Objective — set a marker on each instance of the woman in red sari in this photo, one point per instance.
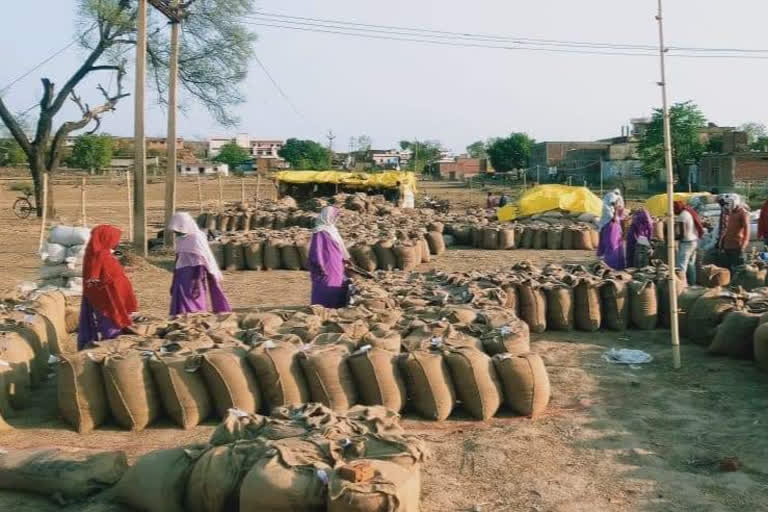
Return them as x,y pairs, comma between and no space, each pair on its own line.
108,298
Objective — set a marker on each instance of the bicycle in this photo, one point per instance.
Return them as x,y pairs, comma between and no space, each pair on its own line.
22,207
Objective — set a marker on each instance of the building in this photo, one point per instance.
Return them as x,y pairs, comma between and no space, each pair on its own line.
726,171
200,168
257,148
554,154
461,168
161,143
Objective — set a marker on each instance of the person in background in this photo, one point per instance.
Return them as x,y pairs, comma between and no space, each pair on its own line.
691,231
327,257
612,203
397,194
736,233
503,200
196,285
490,201
762,224
108,297
611,246
640,232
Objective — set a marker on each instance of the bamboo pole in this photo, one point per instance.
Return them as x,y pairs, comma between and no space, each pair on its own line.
170,139
221,193
82,201
130,206
139,237
258,186
45,210
200,193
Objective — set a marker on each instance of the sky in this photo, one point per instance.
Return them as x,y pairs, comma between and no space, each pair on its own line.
394,90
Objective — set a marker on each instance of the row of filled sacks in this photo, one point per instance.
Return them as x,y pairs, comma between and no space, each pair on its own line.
519,236
30,332
248,220
136,387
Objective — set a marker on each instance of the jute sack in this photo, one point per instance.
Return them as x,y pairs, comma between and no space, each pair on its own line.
364,257
53,306
662,291
81,395
383,337
131,392
231,381
20,357
408,256
684,303
436,243
385,257
526,241
289,256
595,238
460,315
735,336
37,329
506,239
157,481
476,382
302,246
567,241
217,248
423,246
278,371
290,477
267,323
72,319
712,276
525,382
25,334
439,227
582,240
587,305
707,312
490,238
392,488
182,389
66,473
513,338
271,254
329,377
254,257
554,239
760,341
6,381
643,304
749,276
513,302
230,250
533,305
377,375
614,300
429,384
560,306
540,239
210,222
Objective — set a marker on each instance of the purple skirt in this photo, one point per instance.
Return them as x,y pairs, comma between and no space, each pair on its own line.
194,290
94,326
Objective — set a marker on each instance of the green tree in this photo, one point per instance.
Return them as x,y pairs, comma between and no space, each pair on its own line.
423,154
363,143
232,155
755,131
91,152
686,121
477,150
216,46
11,154
305,154
508,153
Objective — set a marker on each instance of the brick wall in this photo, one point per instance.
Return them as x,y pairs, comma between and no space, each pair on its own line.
751,167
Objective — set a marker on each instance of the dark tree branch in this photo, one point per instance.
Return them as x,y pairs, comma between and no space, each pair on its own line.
15,128
106,68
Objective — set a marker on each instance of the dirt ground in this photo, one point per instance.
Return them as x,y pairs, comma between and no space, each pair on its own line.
614,438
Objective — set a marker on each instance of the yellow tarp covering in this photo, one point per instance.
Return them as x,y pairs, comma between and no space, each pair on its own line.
352,179
657,205
552,197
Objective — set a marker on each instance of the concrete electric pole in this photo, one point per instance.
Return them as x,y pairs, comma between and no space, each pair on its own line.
139,161
170,139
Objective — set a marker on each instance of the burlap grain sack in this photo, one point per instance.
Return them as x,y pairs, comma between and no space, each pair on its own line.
71,319
403,450
53,306
385,257
81,395
513,301
476,382
436,226
377,375
16,354
231,251
560,307
66,473
533,305
392,488
38,344
735,336
707,312
494,317
643,304
436,243
582,240
217,248
513,338
429,384
182,389
6,381
289,256
568,236
231,381
525,382
614,301
210,222
364,256
157,481
254,257
595,238
587,305
290,477
490,238
271,254
278,371
554,239
131,392
477,236
408,256
383,337
685,301
760,341
749,276
268,323
423,246
329,377
662,292
539,239
506,239
712,276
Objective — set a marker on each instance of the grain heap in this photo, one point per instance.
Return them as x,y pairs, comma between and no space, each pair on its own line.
62,257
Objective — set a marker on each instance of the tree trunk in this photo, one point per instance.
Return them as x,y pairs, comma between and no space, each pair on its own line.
51,202
36,168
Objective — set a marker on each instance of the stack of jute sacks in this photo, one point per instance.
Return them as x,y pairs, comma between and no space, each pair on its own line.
62,257
191,368
31,331
304,457
536,235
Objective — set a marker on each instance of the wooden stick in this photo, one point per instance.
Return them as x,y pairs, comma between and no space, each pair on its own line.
45,209
130,206
200,193
221,193
82,201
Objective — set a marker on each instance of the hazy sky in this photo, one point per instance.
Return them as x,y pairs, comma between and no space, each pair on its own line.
393,90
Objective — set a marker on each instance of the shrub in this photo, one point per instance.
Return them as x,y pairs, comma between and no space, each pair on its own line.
24,187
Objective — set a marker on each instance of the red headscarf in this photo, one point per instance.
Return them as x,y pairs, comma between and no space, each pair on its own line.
680,206
105,284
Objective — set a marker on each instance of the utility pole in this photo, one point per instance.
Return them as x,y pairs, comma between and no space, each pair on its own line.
139,161
170,139
330,138
670,199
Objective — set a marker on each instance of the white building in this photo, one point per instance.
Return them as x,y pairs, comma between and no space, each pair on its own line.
203,169
257,148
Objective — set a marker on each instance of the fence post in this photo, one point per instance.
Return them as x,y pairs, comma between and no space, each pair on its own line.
130,206
200,193
221,193
45,209
82,201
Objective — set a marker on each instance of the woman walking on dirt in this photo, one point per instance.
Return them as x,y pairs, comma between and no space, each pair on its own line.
611,246
327,254
196,285
108,298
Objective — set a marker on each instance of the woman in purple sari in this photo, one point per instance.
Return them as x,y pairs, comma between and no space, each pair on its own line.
611,246
327,254
196,284
642,226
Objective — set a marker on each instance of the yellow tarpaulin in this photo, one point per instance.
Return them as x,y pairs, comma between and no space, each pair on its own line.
657,205
552,197
352,179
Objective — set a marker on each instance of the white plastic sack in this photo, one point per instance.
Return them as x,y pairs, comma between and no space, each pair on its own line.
53,271
76,251
587,217
449,240
53,254
69,236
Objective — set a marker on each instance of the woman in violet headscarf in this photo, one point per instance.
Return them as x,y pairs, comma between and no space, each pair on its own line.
327,254
611,246
642,226
196,283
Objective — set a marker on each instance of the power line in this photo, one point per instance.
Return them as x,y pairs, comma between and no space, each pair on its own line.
279,89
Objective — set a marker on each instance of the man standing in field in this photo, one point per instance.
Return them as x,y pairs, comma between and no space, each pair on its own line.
736,236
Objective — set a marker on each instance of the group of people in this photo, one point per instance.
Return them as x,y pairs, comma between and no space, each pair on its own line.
732,239
109,302
492,201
